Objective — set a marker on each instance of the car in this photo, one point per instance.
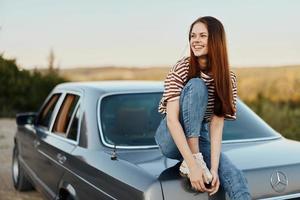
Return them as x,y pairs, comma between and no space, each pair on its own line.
95,140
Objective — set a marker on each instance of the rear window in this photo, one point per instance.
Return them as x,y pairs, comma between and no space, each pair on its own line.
132,119
248,125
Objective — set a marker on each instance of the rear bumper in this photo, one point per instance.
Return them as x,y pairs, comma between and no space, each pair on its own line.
290,196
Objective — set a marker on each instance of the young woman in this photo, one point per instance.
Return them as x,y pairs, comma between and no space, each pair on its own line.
200,92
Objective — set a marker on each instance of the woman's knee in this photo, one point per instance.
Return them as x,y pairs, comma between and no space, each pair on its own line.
198,87
196,82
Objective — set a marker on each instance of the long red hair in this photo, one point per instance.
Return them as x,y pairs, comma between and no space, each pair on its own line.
217,64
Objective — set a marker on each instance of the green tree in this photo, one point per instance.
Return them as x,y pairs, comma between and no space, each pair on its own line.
22,90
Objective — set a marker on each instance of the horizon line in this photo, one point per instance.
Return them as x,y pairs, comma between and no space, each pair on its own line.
147,67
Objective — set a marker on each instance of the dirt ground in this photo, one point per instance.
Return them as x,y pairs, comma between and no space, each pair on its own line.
7,191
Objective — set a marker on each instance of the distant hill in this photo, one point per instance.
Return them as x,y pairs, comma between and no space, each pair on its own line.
114,73
278,84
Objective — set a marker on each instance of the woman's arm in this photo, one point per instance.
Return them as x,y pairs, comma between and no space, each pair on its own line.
176,130
216,130
177,133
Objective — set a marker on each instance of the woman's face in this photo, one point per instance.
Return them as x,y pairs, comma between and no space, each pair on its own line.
199,38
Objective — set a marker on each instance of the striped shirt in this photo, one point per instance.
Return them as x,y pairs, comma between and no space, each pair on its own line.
177,78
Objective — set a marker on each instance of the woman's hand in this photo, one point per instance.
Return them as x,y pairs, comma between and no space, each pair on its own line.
215,184
196,179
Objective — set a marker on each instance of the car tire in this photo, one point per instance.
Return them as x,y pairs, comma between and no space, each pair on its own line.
20,181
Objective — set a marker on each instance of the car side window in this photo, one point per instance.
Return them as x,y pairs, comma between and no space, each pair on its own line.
73,130
45,115
64,115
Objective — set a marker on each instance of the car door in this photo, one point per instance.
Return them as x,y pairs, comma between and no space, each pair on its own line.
28,141
55,145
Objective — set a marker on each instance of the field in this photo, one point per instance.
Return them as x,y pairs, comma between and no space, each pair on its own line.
278,84
272,92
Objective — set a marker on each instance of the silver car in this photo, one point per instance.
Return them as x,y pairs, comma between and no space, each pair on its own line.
95,140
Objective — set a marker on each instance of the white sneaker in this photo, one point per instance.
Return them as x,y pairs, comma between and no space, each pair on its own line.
184,170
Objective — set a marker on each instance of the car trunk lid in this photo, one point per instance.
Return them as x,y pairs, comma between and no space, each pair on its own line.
272,168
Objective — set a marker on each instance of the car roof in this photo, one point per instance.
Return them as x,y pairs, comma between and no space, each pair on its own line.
114,86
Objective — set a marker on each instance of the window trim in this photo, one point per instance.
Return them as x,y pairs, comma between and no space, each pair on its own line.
71,119
99,120
55,113
77,109
277,136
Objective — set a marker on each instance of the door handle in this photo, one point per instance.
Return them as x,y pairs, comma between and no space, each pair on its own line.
61,158
36,143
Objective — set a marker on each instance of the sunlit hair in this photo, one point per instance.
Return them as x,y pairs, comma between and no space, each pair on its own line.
217,64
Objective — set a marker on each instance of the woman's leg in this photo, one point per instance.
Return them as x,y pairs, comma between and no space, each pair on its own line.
231,178
193,102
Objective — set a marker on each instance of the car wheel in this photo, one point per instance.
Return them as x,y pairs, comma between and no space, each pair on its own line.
20,180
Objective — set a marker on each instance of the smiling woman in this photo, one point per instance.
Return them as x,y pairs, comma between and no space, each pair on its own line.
201,89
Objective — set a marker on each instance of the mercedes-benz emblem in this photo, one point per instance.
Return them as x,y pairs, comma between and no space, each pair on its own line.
279,181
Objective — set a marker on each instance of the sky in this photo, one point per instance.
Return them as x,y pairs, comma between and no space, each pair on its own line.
142,33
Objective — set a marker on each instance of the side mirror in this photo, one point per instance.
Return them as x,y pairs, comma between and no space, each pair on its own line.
26,118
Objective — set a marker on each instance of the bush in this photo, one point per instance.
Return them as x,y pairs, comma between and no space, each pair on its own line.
17,85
